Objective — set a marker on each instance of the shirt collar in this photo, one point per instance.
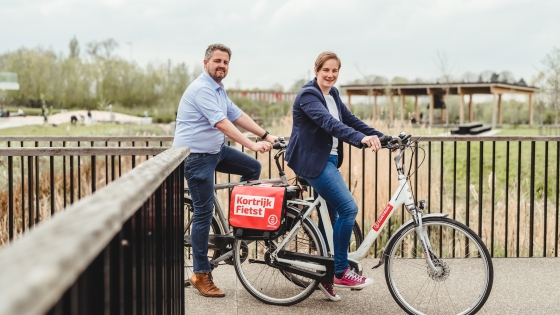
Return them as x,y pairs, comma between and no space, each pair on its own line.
214,84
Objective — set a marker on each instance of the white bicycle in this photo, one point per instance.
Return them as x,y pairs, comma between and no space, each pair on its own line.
433,264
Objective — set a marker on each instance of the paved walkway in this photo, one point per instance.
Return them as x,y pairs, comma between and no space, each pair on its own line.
521,286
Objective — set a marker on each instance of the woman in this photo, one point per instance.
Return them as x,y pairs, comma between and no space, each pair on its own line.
321,123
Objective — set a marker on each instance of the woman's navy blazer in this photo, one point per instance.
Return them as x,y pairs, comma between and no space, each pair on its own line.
313,128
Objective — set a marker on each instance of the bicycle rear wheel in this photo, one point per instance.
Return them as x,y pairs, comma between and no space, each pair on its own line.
356,238
465,271
272,285
187,247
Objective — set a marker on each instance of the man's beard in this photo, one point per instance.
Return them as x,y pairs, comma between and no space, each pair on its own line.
218,78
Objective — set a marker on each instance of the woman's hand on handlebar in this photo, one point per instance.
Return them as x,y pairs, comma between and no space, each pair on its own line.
261,146
372,142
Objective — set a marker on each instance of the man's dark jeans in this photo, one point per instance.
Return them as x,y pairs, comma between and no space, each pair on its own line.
199,172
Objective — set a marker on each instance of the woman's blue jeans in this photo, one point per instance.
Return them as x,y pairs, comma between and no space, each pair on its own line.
330,185
199,172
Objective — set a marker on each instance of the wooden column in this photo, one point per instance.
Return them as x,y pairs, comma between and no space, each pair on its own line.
391,109
471,114
375,107
499,109
402,109
431,113
531,109
416,112
494,110
462,109
444,110
349,105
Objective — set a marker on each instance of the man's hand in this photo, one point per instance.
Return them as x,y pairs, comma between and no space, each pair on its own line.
261,146
372,142
271,139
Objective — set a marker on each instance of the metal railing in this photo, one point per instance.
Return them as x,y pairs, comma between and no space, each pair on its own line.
118,251
512,203
46,174
505,188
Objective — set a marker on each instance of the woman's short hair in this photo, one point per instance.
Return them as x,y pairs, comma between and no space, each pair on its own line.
210,50
323,57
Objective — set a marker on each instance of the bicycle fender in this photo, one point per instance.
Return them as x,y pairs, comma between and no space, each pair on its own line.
429,215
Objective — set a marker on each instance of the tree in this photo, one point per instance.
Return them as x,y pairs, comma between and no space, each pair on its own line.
102,49
470,77
297,85
551,74
446,69
74,48
506,76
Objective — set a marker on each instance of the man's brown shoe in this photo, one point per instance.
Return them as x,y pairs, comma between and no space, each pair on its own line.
205,285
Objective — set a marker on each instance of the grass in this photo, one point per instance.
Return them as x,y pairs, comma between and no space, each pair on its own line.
29,111
86,130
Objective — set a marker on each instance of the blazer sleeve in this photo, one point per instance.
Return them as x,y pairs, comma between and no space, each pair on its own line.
317,112
349,119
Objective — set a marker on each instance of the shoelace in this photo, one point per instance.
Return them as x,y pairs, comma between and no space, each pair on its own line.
209,279
352,275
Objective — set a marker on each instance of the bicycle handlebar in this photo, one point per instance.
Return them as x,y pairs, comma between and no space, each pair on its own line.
398,142
279,145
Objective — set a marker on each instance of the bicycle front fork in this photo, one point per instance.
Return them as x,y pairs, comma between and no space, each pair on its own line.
422,234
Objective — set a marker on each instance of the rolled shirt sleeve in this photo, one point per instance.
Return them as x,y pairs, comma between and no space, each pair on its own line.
233,112
207,105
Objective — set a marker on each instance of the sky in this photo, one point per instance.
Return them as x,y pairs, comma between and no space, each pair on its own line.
277,42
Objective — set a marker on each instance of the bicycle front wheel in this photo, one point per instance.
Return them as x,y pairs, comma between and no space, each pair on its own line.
272,285
464,276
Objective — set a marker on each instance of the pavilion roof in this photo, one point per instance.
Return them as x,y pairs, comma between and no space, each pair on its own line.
453,88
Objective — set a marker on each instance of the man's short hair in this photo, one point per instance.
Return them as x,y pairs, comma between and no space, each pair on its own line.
210,50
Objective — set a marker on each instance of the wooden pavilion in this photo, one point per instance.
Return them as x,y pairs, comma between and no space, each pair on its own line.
437,93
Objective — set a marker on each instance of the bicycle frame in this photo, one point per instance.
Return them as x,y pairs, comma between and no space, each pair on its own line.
402,196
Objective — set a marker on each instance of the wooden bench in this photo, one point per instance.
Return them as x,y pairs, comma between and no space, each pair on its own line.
470,129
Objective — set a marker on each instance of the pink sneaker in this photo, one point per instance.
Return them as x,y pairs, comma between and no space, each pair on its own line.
350,279
327,288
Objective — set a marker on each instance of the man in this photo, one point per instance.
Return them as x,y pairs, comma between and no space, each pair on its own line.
205,116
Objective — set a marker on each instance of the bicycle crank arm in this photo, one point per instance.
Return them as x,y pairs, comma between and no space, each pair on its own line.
254,261
296,262
223,257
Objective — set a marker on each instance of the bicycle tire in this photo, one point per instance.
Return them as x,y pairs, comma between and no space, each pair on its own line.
467,274
357,238
282,290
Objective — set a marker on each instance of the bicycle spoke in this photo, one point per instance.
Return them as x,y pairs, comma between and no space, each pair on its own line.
418,266
461,280
271,284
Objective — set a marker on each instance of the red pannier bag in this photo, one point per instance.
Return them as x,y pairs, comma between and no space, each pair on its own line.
258,212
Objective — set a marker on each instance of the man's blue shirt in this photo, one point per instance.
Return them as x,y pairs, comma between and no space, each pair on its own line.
202,106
